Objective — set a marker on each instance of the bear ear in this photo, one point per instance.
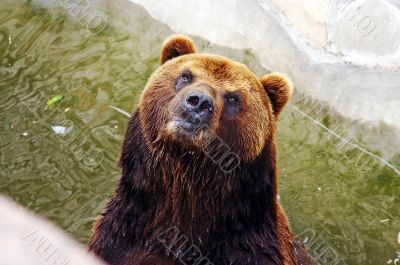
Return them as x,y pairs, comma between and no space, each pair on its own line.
279,88
175,46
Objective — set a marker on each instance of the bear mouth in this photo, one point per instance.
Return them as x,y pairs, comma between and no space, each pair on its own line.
188,126
187,130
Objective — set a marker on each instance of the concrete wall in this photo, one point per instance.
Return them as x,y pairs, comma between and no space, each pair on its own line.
345,52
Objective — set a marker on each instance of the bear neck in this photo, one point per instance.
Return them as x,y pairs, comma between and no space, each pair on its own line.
186,189
197,189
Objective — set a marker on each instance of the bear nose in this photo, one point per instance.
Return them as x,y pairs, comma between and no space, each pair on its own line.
199,105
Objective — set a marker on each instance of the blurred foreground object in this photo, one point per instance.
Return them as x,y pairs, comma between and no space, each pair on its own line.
29,240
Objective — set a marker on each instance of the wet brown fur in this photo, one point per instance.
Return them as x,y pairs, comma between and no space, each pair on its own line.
233,218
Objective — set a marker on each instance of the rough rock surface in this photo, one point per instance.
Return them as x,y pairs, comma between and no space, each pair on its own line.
333,50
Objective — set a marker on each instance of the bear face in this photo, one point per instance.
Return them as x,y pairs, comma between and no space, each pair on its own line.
197,97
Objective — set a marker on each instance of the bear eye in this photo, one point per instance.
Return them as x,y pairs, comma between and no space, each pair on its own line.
232,99
233,105
184,79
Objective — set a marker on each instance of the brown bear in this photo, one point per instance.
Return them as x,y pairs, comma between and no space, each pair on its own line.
199,177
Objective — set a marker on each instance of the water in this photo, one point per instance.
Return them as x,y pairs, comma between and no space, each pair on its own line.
342,200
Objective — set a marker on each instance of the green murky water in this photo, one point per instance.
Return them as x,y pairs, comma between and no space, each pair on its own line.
341,200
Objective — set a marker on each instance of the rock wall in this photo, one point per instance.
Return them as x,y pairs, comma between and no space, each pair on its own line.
344,52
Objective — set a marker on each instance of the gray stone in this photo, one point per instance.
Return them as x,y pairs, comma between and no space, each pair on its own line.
354,66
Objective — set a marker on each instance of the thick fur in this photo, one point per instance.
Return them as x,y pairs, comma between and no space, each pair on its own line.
169,181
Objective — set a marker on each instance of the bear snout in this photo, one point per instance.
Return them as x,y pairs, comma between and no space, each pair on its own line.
193,109
198,105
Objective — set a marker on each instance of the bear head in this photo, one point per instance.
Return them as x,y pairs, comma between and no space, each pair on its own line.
197,98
